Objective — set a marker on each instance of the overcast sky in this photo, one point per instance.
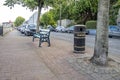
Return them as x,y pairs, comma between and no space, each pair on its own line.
7,14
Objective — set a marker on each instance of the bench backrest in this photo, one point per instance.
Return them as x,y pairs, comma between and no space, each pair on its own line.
44,33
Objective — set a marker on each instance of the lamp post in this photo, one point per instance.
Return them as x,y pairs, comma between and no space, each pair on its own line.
60,13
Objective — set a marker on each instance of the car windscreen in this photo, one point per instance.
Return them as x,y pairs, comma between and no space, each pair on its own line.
31,26
72,27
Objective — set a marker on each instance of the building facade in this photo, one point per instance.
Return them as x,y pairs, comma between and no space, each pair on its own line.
33,19
65,22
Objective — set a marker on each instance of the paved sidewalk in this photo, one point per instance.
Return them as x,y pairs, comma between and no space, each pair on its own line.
22,59
19,60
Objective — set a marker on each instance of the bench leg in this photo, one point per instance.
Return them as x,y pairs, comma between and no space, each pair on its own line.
49,42
39,42
33,39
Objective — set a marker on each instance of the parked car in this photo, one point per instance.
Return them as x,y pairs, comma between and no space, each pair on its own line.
91,31
18,28
87,32
50,28
30,29
114,31
69,29
22,29
60,29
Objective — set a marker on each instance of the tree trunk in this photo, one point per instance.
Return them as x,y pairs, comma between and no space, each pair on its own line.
100,56
38,19
40,4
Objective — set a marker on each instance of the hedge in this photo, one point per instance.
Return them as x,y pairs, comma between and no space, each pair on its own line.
91,24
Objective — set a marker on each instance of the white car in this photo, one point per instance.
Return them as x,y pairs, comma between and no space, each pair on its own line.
114,31
60,29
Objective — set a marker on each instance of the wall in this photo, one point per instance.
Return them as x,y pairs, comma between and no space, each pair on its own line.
7,27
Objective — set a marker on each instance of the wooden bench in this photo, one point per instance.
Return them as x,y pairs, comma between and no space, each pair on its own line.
43,36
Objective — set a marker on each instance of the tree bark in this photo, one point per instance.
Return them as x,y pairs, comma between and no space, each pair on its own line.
100,56
38,19
40,4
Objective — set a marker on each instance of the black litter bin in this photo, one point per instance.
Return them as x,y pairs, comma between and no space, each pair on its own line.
79,39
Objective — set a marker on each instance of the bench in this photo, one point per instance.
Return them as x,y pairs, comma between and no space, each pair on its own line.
43,36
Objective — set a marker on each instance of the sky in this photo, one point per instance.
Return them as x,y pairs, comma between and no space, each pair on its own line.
7,14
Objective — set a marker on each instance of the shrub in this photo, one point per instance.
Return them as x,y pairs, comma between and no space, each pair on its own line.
91,24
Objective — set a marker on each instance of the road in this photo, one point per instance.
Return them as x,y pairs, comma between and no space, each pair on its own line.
114,43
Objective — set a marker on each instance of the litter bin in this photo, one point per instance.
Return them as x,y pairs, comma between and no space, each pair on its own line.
79,39
1,30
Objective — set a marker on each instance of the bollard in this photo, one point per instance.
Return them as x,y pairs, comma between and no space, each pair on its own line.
79,39
1,30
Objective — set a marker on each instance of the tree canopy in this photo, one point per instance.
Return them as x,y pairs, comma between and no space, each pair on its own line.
70,9
75,10
47,19
31,4
19,20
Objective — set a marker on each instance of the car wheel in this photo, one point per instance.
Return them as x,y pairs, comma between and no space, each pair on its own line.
26,34
87,33
110,36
